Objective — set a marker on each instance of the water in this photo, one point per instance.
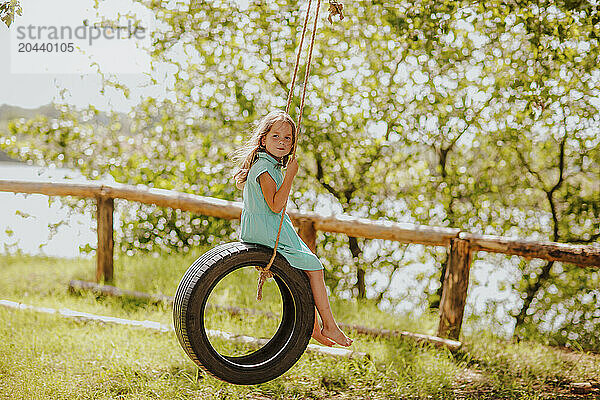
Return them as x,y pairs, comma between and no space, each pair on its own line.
34,224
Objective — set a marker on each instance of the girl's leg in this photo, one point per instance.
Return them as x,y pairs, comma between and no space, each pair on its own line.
318,335
330,327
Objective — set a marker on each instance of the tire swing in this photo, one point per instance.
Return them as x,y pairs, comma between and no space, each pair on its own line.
289,342
282,350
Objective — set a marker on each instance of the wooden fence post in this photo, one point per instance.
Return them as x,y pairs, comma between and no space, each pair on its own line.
104,252
454,295
308,233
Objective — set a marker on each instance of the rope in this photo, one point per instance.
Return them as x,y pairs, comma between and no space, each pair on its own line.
335,8
297,66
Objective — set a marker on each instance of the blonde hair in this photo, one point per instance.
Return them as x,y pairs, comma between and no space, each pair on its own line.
246,155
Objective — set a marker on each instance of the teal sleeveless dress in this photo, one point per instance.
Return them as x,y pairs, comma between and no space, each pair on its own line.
259,224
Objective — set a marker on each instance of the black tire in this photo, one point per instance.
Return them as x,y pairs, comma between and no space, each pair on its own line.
282,350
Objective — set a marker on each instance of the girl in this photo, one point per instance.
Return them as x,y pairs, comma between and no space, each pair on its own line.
265,192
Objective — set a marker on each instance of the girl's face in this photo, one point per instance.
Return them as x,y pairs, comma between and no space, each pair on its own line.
279,140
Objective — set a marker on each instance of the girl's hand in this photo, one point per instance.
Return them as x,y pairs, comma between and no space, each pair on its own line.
292,168
277,198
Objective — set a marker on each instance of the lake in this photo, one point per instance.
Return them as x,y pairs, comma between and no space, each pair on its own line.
35,225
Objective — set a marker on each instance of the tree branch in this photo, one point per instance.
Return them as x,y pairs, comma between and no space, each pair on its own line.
561,159
531,292
593,238
530,170
391,275
320,178
271,67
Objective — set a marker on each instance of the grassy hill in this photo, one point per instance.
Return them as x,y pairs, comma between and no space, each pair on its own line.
49,357
8,113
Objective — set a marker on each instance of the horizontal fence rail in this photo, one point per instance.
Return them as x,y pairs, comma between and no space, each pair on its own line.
586,256
213,207
462,245
357,227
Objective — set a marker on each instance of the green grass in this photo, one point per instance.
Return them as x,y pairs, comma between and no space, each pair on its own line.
49,357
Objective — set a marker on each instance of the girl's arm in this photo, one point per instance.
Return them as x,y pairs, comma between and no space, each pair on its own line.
276,199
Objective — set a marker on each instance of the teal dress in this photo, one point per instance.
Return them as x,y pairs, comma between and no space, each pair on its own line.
259,224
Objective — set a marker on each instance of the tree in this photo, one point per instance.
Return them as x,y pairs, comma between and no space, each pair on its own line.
441,113
8,10
156,145
549,136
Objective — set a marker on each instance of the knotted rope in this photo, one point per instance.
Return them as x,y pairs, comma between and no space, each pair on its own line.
335,8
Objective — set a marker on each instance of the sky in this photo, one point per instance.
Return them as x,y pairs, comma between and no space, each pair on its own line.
31,78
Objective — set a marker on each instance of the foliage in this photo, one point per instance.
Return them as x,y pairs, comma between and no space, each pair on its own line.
479,116
8,10
150,147
550,139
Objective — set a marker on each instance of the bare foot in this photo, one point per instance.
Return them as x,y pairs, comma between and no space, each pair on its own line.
318,336
337,336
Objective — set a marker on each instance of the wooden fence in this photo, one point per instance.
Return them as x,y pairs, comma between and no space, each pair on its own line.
462,245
